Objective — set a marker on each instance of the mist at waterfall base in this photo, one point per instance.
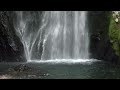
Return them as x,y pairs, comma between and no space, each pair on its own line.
56,43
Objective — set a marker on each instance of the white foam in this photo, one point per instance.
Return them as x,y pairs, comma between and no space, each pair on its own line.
64,61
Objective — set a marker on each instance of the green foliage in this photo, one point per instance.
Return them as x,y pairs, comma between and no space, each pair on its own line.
114,34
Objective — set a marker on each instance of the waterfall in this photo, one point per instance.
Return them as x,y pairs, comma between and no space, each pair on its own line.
52,35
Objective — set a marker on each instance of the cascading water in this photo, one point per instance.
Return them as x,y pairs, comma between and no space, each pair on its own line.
51,35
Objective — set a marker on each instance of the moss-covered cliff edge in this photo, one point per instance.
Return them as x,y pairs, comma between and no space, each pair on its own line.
100,37
114,32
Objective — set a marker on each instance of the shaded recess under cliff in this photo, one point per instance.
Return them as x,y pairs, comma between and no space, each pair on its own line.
100,46
11,49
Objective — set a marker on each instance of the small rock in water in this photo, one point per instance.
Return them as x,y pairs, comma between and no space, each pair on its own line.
31,75
47,74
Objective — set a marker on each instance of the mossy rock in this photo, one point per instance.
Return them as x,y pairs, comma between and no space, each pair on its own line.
22,68
18,70
24,71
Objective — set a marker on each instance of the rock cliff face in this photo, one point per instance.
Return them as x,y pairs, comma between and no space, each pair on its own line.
11,49
100,45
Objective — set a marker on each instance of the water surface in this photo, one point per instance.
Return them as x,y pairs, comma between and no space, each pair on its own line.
89,69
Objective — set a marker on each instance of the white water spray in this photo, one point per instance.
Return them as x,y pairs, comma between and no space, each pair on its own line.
53,35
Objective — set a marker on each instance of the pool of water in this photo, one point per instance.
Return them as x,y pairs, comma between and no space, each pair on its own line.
65,70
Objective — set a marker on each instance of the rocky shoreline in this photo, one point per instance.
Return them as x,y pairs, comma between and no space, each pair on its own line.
23,71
